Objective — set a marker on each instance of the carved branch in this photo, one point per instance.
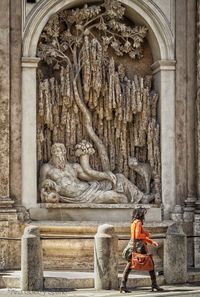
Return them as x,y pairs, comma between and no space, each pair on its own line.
89,96
87,121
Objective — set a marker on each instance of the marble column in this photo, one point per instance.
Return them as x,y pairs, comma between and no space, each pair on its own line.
29,154
164,82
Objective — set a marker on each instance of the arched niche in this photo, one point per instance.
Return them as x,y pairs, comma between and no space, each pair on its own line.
161,41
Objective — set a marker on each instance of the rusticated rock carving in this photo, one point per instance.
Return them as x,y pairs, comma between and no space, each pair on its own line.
84,92
144,169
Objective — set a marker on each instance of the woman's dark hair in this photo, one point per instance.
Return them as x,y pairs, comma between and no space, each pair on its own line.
139,213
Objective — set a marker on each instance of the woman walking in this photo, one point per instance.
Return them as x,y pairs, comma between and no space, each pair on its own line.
139,238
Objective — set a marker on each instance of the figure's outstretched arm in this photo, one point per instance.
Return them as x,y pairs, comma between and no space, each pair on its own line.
81,174
91,174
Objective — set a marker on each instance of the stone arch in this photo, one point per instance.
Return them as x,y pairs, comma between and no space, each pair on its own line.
161,41
160,35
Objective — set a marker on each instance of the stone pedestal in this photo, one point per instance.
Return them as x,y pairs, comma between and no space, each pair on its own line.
31,260
8,228
188,219
105,258
177,214
197,236
175,255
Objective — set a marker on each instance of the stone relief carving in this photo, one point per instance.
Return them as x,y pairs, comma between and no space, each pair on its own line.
84,92
61,181
144,169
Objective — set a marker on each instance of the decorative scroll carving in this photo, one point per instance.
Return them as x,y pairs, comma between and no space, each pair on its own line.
85,93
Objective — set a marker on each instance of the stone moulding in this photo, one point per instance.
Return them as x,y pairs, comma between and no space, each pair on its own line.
166,65
161,40
149,11
93,205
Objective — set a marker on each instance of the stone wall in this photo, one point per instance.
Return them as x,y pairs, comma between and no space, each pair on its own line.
4,97
15,100
185,100
181,15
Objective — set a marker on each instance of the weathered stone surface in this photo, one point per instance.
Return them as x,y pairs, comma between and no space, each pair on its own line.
15,99
197,241
175,255
93,107
91,213
181,93
105,258
4,96
191,98
185,100
198,99
31,260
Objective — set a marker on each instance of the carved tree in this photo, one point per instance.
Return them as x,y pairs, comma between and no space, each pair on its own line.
84,93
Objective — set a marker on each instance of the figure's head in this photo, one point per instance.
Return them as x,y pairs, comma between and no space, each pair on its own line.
139,213
57,149
58,153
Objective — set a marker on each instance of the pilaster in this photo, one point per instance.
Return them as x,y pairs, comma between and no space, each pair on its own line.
164,81
29,158
4,96
15,100
197,211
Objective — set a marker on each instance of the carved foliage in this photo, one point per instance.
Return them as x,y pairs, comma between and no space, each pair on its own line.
80,46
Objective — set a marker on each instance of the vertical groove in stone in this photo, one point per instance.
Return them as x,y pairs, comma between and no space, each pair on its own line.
4,95
15,110
191,96
181,93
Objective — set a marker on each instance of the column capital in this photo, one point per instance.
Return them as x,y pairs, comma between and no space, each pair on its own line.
30,62
163,65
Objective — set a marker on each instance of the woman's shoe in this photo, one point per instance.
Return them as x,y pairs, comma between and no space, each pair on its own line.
156,288
124,290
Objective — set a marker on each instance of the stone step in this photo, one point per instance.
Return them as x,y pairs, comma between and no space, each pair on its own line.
84,280
170,291
71,279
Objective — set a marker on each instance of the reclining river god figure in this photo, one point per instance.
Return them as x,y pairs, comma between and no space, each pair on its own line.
62,181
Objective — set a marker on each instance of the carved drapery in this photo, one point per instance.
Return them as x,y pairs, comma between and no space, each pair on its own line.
85,92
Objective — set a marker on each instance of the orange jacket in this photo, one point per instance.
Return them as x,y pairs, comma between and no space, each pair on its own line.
138,232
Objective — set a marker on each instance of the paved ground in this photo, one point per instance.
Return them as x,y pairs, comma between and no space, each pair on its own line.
178,290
